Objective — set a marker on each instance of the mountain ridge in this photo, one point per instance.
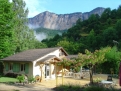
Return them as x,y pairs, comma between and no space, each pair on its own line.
55,21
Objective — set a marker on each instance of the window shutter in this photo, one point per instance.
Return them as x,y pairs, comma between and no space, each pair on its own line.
26,68
6,66
17,67
14,67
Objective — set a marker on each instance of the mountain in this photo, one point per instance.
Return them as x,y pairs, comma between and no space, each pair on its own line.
54,21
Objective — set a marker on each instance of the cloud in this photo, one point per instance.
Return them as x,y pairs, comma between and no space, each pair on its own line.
35,6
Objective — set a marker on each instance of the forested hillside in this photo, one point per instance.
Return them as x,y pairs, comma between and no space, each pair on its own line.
94,33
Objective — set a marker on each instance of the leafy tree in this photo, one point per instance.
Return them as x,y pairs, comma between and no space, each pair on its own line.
38,44
113,58
118,28
119,12
109,35
91,59
7,45
65,44
91,40
106,14
24,36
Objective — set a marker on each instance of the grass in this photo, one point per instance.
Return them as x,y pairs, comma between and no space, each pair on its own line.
8,79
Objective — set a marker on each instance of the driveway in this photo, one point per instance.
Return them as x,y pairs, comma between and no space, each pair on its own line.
29,87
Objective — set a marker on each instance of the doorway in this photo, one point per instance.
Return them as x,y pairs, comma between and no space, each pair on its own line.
47,71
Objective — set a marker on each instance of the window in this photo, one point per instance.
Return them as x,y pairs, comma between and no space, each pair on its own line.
11,66
22,67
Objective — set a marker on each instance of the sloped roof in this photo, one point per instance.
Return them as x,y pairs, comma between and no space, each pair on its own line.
32,55
48,58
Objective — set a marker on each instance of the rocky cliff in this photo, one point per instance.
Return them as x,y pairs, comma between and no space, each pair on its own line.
60,21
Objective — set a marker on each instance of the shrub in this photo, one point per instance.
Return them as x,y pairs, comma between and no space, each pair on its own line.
11,75
20,78
69,88
1,67
94,88
31,79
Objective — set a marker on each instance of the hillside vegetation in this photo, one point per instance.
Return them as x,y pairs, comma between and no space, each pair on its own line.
93,33
49,32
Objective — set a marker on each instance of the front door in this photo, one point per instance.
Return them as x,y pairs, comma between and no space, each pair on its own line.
47,71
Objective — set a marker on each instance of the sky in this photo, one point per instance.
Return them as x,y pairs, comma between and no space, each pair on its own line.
68,6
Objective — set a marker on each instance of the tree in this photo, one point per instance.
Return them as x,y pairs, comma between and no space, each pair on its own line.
24,36
91,40
114,57
7,46
109,35
91,59
106,14
39,44
118,28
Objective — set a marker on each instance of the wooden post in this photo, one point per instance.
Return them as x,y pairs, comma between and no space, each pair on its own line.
62,74
56,75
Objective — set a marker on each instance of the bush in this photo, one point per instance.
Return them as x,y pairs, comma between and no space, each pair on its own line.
79,88
68,88
20,78
13,75
1,67
31,79
94,88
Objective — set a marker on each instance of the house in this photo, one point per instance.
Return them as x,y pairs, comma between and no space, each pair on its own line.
35,62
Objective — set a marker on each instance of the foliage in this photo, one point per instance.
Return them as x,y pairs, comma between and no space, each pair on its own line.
114,58
24,37
13,75
20,78
97,80
7,35
95,88
31,79
90,59
48,32
1,67
38,44
70,87
100,32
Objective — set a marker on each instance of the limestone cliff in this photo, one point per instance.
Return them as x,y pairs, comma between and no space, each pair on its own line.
60,21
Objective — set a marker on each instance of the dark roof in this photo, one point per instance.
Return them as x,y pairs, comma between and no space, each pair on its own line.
31,55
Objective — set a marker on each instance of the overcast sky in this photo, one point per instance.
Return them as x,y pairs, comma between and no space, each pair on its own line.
68,6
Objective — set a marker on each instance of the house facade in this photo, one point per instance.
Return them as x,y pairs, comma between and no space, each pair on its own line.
35,62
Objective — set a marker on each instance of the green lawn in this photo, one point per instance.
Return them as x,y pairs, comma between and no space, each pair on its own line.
8,79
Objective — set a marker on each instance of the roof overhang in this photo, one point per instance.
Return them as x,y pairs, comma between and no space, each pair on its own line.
49,59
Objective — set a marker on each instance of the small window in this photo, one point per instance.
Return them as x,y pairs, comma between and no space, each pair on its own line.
22,67
11,66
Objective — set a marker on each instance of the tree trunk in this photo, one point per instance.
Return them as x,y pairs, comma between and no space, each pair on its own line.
91,75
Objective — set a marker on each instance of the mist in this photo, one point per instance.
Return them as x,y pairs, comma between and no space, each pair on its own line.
33,26
40,36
